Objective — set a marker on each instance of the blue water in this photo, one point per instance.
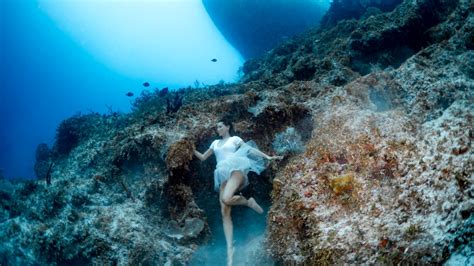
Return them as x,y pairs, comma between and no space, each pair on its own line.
54,65
45,77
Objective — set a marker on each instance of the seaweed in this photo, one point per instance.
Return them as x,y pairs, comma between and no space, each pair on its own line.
68,134
176,103
48,174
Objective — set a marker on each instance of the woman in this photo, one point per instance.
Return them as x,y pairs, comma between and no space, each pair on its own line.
235,159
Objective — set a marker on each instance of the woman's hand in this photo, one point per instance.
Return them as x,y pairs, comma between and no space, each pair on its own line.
202,156
274,157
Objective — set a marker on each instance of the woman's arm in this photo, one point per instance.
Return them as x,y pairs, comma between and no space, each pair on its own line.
258,152
240,142
204,156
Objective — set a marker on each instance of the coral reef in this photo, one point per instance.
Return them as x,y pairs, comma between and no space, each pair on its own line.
378,165
355,9
288,142
174,105
69,134
179,155
387,177
340,54
43,158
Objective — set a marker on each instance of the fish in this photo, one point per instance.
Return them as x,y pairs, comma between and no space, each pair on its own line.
163,92
146,84
214,60
129,94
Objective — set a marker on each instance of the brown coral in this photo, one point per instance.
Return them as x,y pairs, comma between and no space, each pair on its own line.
342,183
179,155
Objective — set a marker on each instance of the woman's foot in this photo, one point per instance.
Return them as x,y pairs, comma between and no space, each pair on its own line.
251,203
230,255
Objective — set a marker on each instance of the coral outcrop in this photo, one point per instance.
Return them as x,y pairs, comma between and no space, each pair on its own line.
387,176
378,167
355,9
43,161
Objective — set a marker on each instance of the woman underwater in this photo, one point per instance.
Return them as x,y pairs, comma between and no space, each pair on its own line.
235,159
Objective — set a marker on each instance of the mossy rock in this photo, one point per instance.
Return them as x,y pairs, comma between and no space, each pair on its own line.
342,183
179,155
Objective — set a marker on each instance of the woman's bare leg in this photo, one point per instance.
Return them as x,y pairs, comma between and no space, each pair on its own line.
231,186
227,200
228,226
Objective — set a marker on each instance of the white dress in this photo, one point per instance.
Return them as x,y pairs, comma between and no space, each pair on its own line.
235,155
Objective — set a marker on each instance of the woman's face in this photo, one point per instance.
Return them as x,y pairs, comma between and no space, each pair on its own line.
222,129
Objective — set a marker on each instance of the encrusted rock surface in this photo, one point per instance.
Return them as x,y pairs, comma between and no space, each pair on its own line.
388,174
355,9
384,107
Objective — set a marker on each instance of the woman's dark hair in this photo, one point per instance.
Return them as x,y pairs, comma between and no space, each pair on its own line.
227,121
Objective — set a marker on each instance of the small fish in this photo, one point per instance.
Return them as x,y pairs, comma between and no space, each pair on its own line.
129,94
146,84
163,92
214,60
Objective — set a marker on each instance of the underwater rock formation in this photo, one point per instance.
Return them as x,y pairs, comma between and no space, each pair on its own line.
387,177
355,9
265,23
383,107
339,54
43,158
